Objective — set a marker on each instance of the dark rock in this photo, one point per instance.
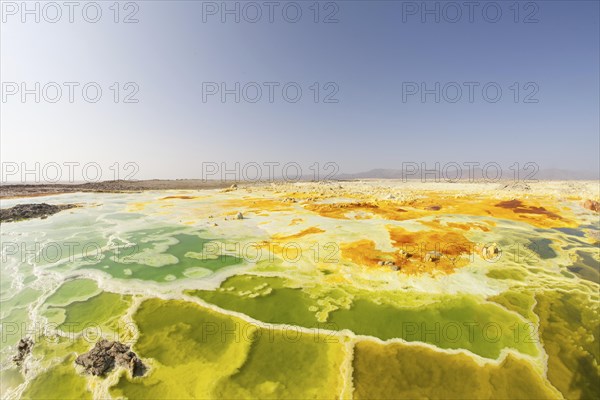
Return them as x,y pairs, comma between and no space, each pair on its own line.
107,355
23,350
28,211
515,187
592,205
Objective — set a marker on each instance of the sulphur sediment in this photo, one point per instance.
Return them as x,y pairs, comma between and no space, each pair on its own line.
372,289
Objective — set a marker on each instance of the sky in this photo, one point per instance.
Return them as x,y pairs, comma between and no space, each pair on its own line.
193,89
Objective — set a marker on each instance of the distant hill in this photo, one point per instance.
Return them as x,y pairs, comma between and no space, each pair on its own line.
547,174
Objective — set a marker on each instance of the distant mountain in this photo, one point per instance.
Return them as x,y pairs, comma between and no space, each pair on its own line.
451,174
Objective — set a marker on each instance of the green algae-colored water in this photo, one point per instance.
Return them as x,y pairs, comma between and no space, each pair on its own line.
178,259
100,309
396,371
569,330
221,326
450,322
200,353
58,382
73,290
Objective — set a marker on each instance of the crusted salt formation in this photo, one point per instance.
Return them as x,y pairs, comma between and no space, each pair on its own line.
107,355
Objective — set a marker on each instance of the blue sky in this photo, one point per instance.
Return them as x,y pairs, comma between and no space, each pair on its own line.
376,49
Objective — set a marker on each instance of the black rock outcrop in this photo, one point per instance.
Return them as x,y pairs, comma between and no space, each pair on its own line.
107,355
28,211
23,350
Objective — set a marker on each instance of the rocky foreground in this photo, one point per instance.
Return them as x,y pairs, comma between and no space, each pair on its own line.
28,211
107,355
